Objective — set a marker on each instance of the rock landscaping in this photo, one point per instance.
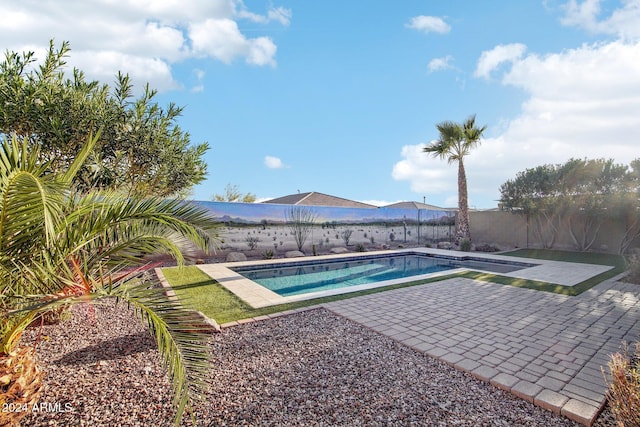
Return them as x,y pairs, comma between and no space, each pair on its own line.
310,368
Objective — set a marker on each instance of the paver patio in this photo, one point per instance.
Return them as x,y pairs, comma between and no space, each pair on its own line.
543,347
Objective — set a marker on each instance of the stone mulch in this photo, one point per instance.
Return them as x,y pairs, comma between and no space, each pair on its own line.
307,369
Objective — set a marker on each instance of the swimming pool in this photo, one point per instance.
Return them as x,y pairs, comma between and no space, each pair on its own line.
302,277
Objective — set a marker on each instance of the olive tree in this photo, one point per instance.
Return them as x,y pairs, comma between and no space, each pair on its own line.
141,150
232,194
577,195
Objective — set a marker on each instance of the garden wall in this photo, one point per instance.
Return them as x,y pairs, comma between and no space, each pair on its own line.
515,230
263,227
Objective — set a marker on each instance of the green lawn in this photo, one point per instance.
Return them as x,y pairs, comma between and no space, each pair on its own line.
197,290
618,261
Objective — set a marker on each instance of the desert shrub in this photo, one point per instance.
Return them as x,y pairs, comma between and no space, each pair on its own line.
252,242
346,235
633,266
623,394
465,245
360,247
268,254
392,237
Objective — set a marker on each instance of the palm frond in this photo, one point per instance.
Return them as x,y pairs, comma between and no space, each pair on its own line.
30,201
181,334
472,134
109,221
448,144
73,169
182,339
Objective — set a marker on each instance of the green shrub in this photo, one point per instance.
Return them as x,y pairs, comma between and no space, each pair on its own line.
623,394
360,248
465,245
268,254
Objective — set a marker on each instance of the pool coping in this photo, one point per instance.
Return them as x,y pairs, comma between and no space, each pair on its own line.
257,296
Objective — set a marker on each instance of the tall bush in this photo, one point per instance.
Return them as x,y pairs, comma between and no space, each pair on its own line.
142,150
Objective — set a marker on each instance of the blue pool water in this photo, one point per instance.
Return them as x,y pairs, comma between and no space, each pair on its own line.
297,278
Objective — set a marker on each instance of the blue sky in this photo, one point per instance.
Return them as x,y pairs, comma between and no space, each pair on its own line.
341,97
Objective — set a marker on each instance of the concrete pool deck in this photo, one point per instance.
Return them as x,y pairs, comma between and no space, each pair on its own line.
546,348
257,296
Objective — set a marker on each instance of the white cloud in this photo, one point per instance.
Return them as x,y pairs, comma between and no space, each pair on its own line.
439,64
273,162
278,14
379,202
428,24
221,39
623,22
200,77
492,59
143,38
103,65
582,102
426,175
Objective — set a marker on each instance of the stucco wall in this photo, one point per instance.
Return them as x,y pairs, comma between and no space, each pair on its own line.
506,229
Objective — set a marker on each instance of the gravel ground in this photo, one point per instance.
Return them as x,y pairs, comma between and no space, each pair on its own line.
309,369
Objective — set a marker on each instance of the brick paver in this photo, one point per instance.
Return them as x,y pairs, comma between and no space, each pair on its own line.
545,348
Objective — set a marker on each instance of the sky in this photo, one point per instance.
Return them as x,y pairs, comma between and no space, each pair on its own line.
341,97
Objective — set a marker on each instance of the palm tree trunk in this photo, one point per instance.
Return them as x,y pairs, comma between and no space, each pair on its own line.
462,225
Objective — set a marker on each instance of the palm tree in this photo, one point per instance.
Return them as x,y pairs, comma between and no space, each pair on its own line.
455,142
58,249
